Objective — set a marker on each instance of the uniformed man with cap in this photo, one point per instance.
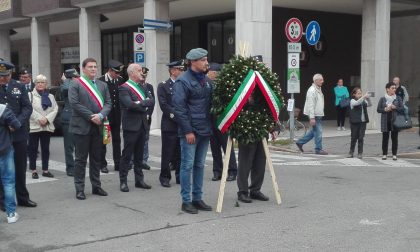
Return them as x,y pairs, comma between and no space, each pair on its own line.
25,78
218,141
192,102
171,152
113,79
16,97
65,116
150,91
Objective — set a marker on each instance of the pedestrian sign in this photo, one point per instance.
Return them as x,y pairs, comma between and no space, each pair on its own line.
313,33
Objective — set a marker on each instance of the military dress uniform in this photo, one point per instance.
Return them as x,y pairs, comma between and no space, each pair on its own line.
114,117
15,96
171,151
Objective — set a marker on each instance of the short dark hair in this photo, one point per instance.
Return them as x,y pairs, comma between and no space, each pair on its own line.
87,60
389,85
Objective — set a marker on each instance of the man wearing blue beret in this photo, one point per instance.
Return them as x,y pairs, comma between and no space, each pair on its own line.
192,102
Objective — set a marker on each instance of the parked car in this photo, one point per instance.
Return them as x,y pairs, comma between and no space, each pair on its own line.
55,90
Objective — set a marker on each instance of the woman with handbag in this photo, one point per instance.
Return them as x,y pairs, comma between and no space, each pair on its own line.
41,125
388,106
342,102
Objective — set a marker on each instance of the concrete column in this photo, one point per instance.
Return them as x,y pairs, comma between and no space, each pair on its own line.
375,52
253,25
5,45
157,50
40,49
90,38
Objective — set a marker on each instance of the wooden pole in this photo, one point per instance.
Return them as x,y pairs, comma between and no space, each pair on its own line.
224,176
271,168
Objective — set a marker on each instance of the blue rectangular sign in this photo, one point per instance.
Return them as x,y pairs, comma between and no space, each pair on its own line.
157,24
139,57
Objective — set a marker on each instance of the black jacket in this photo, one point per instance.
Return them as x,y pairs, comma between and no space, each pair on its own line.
134,111
165,92
114,115
17,101
7,118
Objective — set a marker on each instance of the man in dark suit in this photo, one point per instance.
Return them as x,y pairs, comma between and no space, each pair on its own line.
16,97
218,141
113,79
171,151
25,78
90,103
149,89
134,102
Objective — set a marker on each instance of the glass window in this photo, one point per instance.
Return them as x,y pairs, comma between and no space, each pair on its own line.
215,41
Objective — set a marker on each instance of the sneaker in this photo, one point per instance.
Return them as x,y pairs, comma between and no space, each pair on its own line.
343,128
12,218
35,175
322,152
384,157
338,128
299,146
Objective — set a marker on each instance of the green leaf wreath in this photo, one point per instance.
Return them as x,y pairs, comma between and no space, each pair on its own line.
254,122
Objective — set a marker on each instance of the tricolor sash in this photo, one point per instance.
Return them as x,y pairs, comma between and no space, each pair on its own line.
241,97
134,87
99,100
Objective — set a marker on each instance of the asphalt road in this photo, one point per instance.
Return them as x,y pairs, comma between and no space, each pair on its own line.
329,203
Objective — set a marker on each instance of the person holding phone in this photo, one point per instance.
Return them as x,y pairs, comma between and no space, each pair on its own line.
358,120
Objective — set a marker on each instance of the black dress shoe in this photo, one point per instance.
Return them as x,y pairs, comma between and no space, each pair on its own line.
231,177
80,196
104,169
99,191
258,195
216,178
243,197
165,184
28,203
145,166
143,185
189,208
200,205
124,187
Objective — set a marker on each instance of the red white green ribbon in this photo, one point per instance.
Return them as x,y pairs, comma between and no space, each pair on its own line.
241,97
99,100
134,87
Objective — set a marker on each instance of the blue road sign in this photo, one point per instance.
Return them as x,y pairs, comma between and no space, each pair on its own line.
313,32
156,24
139,57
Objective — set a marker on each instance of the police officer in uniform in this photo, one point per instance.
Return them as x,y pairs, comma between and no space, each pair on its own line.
25,78
113,79
150,91
16,97
171,152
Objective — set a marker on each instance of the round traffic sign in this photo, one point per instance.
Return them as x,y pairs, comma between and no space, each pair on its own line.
313,33
139,38
294,30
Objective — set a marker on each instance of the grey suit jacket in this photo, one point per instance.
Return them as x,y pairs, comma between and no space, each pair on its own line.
83,106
